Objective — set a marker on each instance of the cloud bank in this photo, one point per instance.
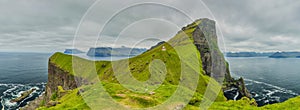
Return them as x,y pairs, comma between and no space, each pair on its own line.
50,25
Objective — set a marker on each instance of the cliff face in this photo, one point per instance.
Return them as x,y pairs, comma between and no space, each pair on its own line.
205,39
58,77
213,61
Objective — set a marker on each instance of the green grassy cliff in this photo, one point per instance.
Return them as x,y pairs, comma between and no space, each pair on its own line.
68,88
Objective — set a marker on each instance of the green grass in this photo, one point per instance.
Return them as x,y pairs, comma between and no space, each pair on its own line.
139,100
70,101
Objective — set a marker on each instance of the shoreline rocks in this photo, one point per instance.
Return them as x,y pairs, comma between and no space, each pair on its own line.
23,96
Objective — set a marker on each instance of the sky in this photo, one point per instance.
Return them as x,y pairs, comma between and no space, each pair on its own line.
54,25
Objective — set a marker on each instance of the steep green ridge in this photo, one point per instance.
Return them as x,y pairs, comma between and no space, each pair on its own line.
139,67
62,96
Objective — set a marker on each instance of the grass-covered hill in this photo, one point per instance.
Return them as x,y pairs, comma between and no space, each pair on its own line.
179,78
70,99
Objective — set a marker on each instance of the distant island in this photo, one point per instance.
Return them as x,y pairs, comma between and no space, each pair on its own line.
108,51
73,51
249,54
264,54
285,55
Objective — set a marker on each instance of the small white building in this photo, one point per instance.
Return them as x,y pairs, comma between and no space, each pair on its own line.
163,48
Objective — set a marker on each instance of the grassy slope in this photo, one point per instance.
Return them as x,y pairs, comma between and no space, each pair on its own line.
139,67
73,101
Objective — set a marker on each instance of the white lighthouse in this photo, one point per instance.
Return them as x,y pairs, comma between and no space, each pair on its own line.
163,48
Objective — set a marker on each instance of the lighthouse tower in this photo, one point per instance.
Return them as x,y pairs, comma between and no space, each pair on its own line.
163,48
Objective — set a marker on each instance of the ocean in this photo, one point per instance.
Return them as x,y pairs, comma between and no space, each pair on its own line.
20,72
269,80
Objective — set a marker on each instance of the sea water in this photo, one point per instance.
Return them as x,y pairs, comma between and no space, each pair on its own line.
21,72
270,80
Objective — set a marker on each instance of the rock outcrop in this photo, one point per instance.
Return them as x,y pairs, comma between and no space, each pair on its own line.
213,61
58,77
23,96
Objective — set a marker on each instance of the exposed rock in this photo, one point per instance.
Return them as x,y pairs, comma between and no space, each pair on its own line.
213,61
80,91
121,95
52,103
151,93
23,96
231,88
58,77
34,104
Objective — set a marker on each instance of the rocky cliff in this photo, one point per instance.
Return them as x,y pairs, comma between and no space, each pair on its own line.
206,41
58,77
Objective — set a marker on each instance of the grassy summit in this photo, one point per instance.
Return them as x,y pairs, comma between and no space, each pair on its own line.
182,63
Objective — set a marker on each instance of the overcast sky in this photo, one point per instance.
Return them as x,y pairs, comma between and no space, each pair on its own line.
50,25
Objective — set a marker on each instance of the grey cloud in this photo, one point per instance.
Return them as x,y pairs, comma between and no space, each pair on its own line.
50,25
269,19
39,25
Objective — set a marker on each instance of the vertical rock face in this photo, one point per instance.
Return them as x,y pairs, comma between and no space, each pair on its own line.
205,39
202,45
58,77
213,61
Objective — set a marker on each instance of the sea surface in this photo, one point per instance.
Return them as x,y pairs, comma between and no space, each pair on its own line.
20,72
270,80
